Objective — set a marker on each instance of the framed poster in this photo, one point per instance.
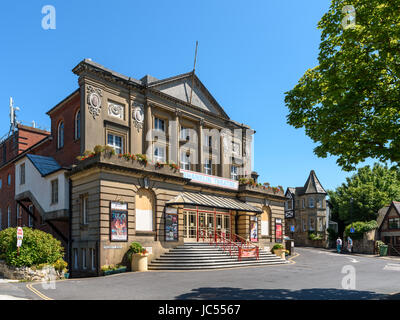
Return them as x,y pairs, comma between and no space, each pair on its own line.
253,229
118,221
278,231
171,224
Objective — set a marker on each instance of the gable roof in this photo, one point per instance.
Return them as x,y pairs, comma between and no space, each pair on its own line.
45,165
313,185
381,215
182,86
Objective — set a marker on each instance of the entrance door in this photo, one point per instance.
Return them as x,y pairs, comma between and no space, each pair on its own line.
223,225
189,226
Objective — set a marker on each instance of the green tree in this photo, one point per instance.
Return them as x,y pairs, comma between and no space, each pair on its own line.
349,103
370,189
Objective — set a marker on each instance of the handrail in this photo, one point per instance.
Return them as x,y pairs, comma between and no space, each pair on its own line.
217,239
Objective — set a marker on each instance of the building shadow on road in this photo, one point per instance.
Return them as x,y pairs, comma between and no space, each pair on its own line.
227,293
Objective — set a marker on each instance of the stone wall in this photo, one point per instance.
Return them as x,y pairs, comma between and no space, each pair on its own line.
366,244
47,273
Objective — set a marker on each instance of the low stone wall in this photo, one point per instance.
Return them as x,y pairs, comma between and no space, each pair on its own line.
30,274
366,244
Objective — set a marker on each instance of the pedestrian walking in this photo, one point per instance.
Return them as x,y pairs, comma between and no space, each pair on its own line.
349,244
339,244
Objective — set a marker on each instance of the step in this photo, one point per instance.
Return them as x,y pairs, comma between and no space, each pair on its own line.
215,266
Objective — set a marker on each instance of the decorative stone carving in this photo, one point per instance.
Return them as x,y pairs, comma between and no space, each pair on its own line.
94,100
116,110
138,115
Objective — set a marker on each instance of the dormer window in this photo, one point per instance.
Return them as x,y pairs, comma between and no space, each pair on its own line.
60,135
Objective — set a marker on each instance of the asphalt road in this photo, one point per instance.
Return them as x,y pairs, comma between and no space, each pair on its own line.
316,274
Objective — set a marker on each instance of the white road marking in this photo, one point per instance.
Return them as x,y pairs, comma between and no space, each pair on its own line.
7,297
392,266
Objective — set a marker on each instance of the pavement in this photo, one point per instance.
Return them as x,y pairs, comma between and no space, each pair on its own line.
314,274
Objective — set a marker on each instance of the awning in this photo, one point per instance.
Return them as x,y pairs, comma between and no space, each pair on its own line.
199,199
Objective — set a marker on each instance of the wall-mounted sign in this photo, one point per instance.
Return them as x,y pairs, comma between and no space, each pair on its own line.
20,236
171,224
210,180
278,230
118,221
253,229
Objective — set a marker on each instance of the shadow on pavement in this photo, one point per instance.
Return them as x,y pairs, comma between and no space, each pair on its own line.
227,293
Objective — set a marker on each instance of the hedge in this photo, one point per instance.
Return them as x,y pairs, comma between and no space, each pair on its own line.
37,248
360,228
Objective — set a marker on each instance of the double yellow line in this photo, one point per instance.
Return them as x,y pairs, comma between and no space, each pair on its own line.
37,292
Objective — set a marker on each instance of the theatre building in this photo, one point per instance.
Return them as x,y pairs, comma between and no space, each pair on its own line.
154,161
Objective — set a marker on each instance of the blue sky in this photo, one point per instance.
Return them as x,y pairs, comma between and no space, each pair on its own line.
250,53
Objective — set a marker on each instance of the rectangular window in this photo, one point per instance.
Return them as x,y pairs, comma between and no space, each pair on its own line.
311,224
76,262
84,266
234,173
8,217
394,223
159,124
303,203
184,133
208,167
116,141
185,160
159,154
303,221
208,141
93,259
54,191
289,205
30,219
1,183
84,209
311,202
22,173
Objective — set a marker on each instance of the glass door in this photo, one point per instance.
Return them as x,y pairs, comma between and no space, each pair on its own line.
189,226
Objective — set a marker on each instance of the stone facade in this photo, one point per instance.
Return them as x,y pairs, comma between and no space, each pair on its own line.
306,211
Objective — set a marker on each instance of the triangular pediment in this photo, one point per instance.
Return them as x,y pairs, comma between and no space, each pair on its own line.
180,87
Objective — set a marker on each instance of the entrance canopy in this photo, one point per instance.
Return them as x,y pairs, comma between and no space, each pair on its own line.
199,199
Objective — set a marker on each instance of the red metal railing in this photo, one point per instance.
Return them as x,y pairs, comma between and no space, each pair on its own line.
239,248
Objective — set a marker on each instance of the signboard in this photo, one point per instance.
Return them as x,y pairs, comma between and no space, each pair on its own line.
253,229
247,253
171,224
20,236
210,180
278,230
119,221
352,230
291,228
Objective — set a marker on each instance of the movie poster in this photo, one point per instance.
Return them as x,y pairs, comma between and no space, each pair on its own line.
253,229
171,224
278,230
119,221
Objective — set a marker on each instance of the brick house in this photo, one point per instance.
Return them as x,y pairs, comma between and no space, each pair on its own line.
389,227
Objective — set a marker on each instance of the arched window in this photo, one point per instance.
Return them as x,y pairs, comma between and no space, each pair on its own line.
144,210
78,125
266,222
60,135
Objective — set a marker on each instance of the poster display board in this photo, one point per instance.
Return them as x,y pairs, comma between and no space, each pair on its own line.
171,224
118,221
253,229
278,231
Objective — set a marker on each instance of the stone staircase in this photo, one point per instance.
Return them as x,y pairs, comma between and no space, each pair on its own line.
198,256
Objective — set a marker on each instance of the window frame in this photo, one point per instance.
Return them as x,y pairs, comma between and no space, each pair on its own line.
84,210
114,135
157,122
30,218
210,167
77,122
158,158
234,175
182,163
54,191
22,173
60,134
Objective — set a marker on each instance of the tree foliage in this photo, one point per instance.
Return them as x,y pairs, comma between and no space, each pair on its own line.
370,188
349,103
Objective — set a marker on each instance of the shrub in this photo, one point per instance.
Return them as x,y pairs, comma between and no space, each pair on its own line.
315,236
37,248
277,246
360,228
135,247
